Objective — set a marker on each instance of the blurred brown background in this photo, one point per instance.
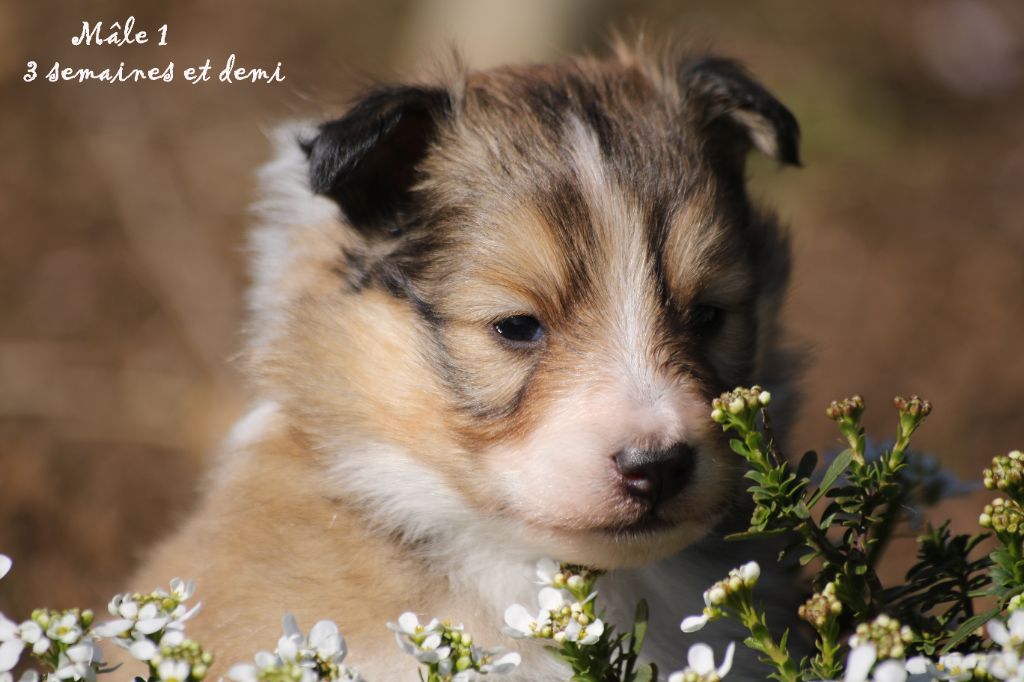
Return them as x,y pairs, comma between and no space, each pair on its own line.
123,210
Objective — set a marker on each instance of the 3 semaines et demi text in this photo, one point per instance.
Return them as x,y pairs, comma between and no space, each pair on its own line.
122,33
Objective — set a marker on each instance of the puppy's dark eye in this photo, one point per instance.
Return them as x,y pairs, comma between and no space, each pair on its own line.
520,329
704,318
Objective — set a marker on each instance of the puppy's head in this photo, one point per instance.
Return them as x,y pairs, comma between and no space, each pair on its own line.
507,301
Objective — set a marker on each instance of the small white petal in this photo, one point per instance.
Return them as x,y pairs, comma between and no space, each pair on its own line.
8,628
890,671
10,652
701,659
243,672
1016,623
29,676
519,619
325,639
693,623
149,611
594,632
408,622
287,648
859,663
546,570
727,662
677,676
550,598
112,628
172,637
128,609
151,625
918,665
265,659
998,632
188,615
291,628
142,649
5,565
506,663
41,646
86,652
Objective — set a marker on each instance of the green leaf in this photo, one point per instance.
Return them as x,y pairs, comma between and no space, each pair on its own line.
644,673
636,642
807,464
739,447
839,465
969,626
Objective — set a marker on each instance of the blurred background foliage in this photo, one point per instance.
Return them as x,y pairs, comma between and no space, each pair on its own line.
123,210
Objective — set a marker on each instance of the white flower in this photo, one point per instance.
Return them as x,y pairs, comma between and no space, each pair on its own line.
521,624
695,623
65,629
1012,637
10,652
750,572
173,670
546,571
502,665
326,642
1005,665
584,635
78,663
181,590
5,565
700,662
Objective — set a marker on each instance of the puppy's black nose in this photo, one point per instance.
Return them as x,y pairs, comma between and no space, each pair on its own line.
656,475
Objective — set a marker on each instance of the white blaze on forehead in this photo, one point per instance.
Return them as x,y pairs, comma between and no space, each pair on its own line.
623,273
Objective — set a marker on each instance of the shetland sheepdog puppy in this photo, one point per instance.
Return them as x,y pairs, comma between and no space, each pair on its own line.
488,316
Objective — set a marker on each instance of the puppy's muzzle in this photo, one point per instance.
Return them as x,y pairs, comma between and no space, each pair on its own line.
656,475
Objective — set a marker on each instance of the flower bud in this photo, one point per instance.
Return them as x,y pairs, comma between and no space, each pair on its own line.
717,596
737,405
574,582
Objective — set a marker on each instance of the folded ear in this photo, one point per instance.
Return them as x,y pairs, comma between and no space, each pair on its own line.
725,99
367,159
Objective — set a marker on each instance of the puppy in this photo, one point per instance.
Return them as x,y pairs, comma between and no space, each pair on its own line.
487,320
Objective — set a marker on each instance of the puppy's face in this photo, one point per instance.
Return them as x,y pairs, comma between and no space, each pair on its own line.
540,282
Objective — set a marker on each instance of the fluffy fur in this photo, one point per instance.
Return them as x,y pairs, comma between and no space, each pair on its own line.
406,455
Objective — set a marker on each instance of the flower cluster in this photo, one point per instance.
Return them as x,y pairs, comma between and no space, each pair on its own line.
59,639
822,607
734,591
566,603
1003,516
738,403
1006,474
448,650
152,627
847,408
913,406
317,657
885,634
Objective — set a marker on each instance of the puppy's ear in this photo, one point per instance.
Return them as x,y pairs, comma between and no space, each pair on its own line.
738,111
367,159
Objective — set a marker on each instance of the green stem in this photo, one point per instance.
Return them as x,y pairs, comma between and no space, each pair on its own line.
759,633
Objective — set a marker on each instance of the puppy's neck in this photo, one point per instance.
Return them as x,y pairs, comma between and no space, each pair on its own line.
360,499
